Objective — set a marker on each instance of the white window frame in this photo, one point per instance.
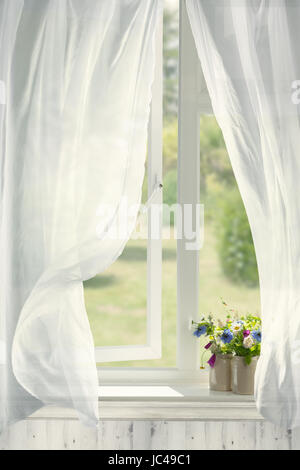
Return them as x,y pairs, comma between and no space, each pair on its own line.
193,101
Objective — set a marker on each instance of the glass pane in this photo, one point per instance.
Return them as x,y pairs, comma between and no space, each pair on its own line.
168,313
169,268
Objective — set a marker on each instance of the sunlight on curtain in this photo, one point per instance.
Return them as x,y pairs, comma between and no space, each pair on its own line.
249,51
78,77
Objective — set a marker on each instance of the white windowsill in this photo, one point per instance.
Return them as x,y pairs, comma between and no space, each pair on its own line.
161,402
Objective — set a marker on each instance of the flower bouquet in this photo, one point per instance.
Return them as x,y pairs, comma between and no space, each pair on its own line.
238,340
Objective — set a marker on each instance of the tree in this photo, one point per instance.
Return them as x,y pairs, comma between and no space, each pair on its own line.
215,162
235,244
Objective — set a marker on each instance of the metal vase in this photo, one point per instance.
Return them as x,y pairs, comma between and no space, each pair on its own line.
242,375
220,374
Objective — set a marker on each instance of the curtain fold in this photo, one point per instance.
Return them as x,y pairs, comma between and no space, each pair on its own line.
73,132
250,55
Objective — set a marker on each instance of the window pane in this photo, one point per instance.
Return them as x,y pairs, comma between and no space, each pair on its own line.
116,300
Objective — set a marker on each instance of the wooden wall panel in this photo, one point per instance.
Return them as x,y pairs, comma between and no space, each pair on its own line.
153,435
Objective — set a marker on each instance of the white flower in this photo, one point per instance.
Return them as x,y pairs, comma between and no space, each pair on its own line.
237,327
248,342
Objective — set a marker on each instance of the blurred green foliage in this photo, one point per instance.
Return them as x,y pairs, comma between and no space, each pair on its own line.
170,187
234,240
215,164
170,145
224,209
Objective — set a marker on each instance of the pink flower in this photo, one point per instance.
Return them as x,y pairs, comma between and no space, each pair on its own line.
208,345
246,333
212,361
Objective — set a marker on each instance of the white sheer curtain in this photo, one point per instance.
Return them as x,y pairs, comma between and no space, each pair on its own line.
78,76
250,54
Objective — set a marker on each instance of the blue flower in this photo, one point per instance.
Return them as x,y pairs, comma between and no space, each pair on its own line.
201,330
256,335
227,336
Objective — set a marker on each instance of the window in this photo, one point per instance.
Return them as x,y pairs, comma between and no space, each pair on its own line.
141,308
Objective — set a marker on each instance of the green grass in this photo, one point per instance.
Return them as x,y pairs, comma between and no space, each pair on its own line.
116,300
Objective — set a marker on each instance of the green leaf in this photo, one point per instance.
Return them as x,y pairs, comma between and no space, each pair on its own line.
248,360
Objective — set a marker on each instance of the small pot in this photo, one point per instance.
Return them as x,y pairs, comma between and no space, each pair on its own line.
220,374
242,375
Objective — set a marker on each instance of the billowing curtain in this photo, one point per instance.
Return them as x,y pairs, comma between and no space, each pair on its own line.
73,130
250,54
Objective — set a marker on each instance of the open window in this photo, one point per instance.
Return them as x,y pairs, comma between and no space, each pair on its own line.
141,309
